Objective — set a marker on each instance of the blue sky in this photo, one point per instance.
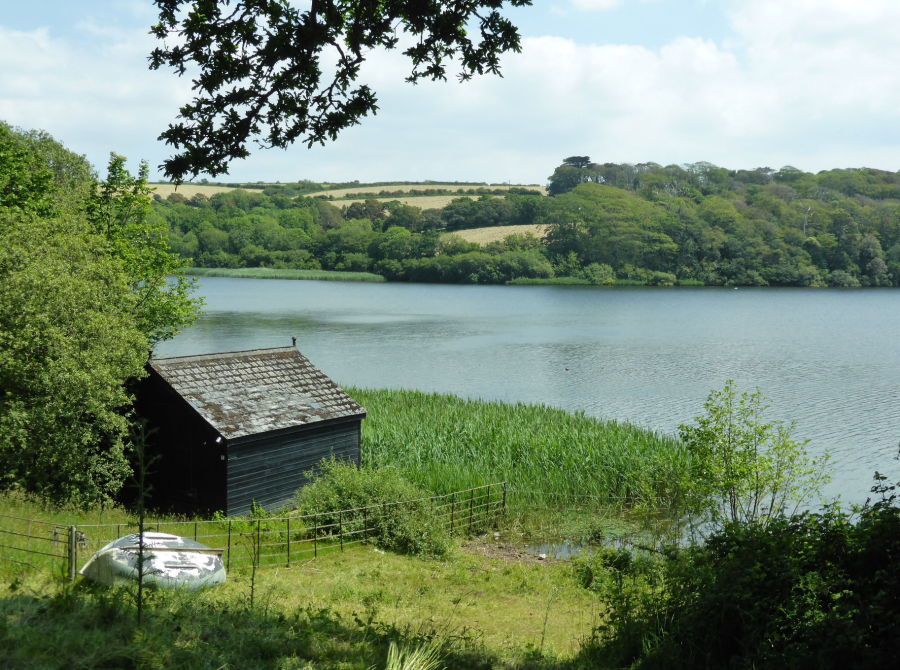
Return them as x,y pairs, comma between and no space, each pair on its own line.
739,83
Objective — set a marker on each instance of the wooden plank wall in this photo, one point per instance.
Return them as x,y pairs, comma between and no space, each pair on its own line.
269,470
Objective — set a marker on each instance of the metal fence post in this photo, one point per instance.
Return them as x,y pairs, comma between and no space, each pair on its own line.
289,540
341,528
504,496
228,560
471,507
258,542
366,525
195,531
28,544
73,556
315,535
452,510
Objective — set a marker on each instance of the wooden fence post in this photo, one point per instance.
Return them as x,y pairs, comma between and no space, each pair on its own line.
228,560
73,553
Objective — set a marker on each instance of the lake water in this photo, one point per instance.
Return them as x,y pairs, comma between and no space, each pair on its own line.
828,359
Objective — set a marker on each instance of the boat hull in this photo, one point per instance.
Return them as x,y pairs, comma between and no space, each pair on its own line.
170,562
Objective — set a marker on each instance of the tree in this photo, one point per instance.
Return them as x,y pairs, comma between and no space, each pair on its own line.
574,170
744,469
83,293
119,211
261,71
68,347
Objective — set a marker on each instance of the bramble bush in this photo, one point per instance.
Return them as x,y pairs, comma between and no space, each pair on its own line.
408,528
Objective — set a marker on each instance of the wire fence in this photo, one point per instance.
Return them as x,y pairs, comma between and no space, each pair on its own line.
267,542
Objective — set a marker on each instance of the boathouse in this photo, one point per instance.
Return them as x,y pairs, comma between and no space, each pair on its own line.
241,427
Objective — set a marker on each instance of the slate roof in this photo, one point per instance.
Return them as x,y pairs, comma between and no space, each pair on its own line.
243,393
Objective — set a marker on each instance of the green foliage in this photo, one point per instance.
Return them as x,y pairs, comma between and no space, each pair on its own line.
444,443
598,274
68,346
405,528
119,211
653,226
95,628
272,273
293,101
744,469
83,292
805,591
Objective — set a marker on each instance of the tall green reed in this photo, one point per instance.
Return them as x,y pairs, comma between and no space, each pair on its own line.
445,443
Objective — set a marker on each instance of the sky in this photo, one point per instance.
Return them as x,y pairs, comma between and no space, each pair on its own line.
738,83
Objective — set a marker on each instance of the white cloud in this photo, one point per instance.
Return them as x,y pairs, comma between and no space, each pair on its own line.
96,98
594,5
812,83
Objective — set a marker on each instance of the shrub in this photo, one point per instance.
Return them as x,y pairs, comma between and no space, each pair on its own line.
406,528
599,274
744,469
807,591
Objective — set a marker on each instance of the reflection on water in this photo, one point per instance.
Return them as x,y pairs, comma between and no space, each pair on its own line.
828,359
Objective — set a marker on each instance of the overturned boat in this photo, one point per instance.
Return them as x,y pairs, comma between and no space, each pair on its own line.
170,562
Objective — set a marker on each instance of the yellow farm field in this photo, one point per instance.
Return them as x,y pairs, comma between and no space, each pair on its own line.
424,202
187,190
497,233
343,193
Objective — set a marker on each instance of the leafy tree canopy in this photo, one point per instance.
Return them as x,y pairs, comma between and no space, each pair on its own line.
262,76
83,293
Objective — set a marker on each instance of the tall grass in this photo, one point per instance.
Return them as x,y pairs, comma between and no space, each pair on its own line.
445,443
274,273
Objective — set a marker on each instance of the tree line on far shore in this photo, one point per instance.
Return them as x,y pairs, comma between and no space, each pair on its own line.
694,224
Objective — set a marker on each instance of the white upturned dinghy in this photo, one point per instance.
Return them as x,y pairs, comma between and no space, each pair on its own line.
170,562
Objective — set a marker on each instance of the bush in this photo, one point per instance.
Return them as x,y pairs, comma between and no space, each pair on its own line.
810,590
408,528
598,274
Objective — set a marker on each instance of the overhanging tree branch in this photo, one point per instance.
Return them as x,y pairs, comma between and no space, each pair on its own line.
260,73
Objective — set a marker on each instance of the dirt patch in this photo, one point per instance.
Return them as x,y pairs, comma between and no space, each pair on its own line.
503,551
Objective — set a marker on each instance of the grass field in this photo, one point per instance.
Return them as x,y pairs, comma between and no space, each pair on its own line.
492,600
274,273
187,190
483,236
444,443
345,193
423,202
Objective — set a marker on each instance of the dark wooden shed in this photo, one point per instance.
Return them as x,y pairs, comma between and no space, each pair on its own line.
242,427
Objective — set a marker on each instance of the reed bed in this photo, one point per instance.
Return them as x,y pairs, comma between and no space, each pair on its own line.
446,443
274,273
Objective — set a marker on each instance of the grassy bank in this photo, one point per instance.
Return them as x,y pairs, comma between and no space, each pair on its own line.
273,273
337,612
445,443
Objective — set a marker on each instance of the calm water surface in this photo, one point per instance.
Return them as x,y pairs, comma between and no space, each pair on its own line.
828,359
